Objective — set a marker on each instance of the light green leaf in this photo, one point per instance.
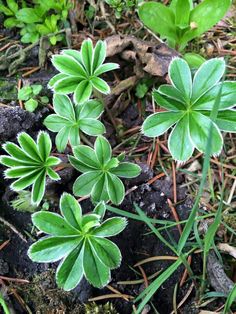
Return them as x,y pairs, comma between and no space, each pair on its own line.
29,146
100,209
68,65
226,120
74,136
87,55
52,249
126,170
71,210
66,85
92,127
171,92
106,68
53,174
159,18
207,76
25,181
179,143
102,150
28,16
80,166
106,251
31,105
110,227
62,138
100,85
83,92
70,271
91,109
16,152
85,183
17,172
168,103
227,99
64,107
182,12
181,77
90,221
55,123
158,123
52,161
115,189
99,54
73,53
38,188
95,272
99,191
53,224
199,126
56,78
87,156
44,144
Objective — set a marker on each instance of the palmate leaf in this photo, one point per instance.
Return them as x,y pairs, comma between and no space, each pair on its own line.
30,163
100,172
189,103
70,120
80,241
80,71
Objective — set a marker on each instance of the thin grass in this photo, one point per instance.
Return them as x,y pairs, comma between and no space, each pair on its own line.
4,305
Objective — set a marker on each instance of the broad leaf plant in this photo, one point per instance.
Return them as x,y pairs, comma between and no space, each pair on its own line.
101,172
30,163
70,120
187,105
80,71
80,241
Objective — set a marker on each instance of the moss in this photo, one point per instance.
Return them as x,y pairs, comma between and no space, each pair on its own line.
93,308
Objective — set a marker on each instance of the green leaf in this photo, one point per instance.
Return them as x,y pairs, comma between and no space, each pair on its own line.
90,221
67,85
100,209
91,109
87,55
52,249
17,172
71,210
5,10
182,20
158,123
168,103
151,12
36,89
99,54
95,272
68,65
179,143
80,166
10,22
115,189
16,152
102,150
194,60
74,136
227,99
24,93
28,16
64,107
204,16
11,162
126,170
53,224
230,300
53,175
199,132
83,92
207,76
226,120
62,139
73,53
106,251
181,77
100,85
44,145
31,105
29,146
38,188
99,191
110,227
55,123
13,6
70,271
106,68
85,183
92,127
87,156
52,161
171,92
56,78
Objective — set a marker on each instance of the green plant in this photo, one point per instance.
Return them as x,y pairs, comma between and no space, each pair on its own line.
80,240
22,202
121,6
94,308
179,28
69,120
36,19
30,163
189,104
30,94
100,172
80,71
4,305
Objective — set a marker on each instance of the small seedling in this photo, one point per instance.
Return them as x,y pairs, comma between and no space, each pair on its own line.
80,71
189,104
179,28
69,120
100,172
30,163
80,241
121,6
31,95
